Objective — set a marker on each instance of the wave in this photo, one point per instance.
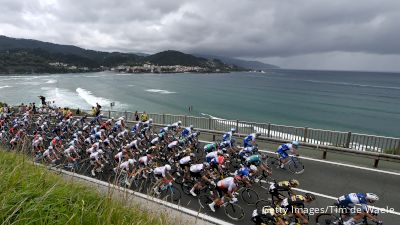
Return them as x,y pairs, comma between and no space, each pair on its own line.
63,97
92,76
160,91
91,99
250,128
7,86
51,82
353,84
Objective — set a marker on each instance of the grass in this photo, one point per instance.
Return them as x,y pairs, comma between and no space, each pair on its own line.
31,194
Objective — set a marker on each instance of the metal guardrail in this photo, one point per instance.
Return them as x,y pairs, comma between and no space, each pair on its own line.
320,137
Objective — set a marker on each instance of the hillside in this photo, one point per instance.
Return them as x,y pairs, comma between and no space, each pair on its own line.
32,56
253,65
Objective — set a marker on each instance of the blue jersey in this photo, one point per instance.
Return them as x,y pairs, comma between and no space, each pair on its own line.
244,171
352,199
250,138
285,147
186,131
227,136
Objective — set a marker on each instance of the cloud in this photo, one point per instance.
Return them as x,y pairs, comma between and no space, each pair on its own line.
265,29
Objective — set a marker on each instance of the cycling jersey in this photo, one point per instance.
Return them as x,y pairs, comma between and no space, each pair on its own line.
185,160
351,199
144,160
95,156
227,136
196,168
210,147
282,150
119,156
253,160
249,139
186,131
211,156
160,171
295,201
244,171
227,183
245,151
172,144
133,145
280,186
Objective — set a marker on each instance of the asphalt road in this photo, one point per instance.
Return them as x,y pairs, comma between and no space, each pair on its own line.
327,181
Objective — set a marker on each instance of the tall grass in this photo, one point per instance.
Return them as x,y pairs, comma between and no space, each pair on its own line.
33,195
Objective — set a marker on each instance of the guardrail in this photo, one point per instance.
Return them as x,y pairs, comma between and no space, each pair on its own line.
320,137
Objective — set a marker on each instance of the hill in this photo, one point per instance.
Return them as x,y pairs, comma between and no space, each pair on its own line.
32,56
253,65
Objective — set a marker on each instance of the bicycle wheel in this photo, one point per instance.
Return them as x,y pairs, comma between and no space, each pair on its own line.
296,166
234,211
249,196
205,199
173,194
187,186
264,181
178,177
273,162
327,219
260,204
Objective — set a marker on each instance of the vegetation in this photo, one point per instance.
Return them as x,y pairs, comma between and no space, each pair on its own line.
30,56
33,195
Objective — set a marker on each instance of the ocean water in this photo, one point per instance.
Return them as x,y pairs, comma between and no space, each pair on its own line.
363,102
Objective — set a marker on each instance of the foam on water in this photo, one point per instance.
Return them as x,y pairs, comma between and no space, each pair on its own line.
51,81
91,99
353,84
160,91
7,86
63,97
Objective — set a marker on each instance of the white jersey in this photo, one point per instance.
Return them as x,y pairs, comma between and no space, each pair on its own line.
155,140
172,144
144,160
133,144
228,183
118,156
160,171
36,143
213,154
95,156
185,160
68,151
47,153
196,168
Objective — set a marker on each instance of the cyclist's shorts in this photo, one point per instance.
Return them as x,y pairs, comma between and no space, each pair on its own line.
222,191
196,175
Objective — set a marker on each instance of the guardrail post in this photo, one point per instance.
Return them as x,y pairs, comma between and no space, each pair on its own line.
126,115
109,114
237,126
324,154
185,120
376,162
348,140
209,123
397,150
269,130
305,134
213,137
163,118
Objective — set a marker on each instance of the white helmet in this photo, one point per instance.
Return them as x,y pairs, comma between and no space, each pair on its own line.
167,167
40,139
179,122
100,151
50,147
371,197
131,161
253,168
150,120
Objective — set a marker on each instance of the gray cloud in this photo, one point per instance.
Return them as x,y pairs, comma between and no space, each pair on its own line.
284,32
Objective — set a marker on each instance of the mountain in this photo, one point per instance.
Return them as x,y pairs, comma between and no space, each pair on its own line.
253,65
32,56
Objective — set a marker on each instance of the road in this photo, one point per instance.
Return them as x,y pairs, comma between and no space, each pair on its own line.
329,181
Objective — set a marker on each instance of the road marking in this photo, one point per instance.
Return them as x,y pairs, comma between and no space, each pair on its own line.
334,163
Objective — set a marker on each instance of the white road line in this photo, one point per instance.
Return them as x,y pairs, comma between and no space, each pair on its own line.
335,163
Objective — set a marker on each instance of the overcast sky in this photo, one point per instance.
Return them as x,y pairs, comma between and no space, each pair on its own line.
305,34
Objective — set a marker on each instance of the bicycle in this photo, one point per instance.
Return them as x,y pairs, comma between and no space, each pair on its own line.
332,219
232,210
294,164
169,192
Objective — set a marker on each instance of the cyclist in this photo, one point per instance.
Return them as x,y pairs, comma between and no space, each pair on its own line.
268,214
187,131
210,147
257,161
128,167
250,140
282,151
282,186
350,200
295,203
229,135
161,173
246,172
225,187
96,160
200,171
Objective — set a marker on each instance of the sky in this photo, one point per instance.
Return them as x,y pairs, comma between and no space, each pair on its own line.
298,34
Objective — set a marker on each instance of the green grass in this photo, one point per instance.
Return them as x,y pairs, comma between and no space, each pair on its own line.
31,194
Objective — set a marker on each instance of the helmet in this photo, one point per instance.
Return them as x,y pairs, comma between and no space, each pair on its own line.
40,139
179,122
233,130
72,148
112,118
191,126
206,164
100,151
150,120
50,147
131,161
294,183
121,118
371,197
167,167
253,167
258,134
310,196
296,143
220,152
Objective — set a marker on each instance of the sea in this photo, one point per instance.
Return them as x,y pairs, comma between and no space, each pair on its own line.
361,102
